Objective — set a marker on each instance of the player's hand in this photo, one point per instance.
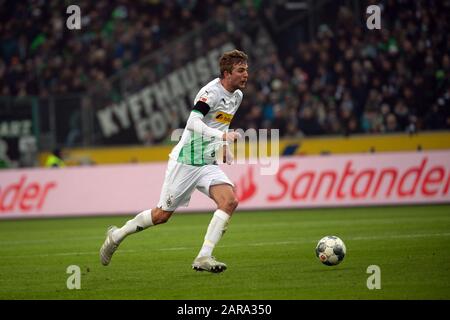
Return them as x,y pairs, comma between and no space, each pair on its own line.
227,155
231,136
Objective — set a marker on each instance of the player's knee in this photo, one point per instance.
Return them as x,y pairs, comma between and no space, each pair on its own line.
231,204
161,216
235,203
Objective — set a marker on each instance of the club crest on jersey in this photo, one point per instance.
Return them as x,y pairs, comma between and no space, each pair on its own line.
223,117
204,97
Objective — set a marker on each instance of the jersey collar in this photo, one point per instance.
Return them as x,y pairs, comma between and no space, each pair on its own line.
228,93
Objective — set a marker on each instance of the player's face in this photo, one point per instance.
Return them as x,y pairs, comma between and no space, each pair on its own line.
239,76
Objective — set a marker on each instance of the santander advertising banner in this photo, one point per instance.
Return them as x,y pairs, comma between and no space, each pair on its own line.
297,182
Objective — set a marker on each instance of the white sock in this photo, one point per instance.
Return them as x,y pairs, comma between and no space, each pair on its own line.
216,228
142,221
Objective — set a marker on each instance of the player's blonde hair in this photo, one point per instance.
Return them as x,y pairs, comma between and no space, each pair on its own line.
229,59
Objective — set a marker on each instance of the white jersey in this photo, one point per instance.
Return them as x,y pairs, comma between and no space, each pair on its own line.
198,150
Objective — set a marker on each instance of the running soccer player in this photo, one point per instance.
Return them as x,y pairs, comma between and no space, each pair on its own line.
192,164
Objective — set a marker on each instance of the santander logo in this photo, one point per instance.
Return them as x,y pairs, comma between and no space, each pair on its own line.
246,187
348,182
355,180
24,195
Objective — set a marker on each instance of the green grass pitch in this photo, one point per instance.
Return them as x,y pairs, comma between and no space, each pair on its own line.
270,255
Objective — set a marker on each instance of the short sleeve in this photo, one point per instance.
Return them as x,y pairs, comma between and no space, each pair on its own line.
210,97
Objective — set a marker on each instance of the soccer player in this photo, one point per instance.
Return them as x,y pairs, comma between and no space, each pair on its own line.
192,164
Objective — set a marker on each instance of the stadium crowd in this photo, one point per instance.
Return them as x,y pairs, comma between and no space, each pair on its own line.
40,56
346,80
353,80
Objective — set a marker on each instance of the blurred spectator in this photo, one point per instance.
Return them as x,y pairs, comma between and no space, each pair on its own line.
55,159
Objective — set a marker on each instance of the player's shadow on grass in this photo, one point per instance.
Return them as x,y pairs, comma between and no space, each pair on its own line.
331,269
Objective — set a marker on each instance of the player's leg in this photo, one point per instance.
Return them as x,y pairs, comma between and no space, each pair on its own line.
226,201
176,191
143,220
218,187
224,197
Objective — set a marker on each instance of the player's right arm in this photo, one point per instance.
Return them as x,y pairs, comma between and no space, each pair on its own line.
195,124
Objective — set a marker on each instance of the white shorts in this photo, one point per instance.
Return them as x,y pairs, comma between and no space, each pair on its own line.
181,180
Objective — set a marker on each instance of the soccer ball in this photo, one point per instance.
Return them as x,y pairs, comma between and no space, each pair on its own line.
330,250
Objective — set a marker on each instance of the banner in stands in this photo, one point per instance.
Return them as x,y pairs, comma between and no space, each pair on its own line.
319,181
153,111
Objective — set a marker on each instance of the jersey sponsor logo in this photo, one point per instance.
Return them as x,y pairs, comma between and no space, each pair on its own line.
223,117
